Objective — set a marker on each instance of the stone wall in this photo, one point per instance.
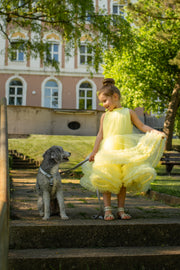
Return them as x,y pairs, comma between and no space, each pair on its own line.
38,120
24,120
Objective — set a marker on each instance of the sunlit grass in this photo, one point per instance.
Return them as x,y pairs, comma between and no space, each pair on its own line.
164,183
35,145
80,146
167,188
176,141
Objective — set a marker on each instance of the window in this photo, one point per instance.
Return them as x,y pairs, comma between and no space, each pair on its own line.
88,16
17,53
53,52
85,96
22,3
15,95
89,13
51,95
74,125
118,9
85,54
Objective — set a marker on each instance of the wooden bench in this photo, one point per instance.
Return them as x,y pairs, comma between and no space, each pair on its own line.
170,159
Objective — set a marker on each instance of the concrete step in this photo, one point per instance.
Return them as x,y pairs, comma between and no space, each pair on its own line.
23,166
119,258
20,161
94,233
150,241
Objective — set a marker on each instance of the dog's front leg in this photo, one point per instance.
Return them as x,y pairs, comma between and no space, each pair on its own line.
60,199
46,200
40,205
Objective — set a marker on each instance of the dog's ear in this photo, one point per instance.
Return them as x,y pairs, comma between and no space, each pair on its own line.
53,155
45,153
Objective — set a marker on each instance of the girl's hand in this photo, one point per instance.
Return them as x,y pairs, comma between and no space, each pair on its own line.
91,157
160,132
164,136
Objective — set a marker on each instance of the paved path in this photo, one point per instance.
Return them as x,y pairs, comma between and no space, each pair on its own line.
80,203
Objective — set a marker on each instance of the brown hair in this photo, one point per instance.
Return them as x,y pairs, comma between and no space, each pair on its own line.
109,88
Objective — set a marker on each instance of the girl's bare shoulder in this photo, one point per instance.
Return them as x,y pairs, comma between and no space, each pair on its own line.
102,116
131,111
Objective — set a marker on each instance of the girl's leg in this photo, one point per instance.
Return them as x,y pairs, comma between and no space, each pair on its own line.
107,206
121,197
121,201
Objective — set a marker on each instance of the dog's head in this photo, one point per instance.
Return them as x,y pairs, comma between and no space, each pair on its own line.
57,154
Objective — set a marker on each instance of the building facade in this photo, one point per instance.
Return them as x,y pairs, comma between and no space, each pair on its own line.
34,91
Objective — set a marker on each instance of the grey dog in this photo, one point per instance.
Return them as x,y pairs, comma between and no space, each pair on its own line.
48,184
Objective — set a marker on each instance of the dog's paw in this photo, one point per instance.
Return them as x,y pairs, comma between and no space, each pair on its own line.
64,217
45,218
41,214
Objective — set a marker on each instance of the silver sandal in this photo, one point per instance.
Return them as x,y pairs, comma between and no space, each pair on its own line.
111,216
123,216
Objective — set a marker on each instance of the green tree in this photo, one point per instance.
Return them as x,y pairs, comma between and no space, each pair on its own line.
149,75
69,17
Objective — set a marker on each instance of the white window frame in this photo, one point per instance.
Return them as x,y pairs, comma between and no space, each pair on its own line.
93,93
85,54
88,18
120,7
53,41
17,53
24,92
16,39
21,3
59,93
52,52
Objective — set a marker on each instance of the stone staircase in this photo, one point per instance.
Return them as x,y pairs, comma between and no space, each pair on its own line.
150,241
95,245
20,161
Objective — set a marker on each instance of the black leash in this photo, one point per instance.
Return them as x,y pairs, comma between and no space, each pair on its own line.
75,167
100,213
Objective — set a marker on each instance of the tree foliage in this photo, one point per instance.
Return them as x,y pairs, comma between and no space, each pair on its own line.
148,75
69,18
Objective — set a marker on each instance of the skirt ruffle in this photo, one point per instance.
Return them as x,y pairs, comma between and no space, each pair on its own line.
127,160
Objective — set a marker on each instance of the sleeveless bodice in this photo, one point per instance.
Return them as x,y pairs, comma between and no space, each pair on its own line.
117,122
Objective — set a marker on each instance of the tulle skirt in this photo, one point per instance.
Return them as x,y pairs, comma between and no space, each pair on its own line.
127,160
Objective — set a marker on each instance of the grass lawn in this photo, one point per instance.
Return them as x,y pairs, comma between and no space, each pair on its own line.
35,145
80,146
169,184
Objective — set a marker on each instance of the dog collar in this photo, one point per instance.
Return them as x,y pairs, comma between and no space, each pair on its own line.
48,175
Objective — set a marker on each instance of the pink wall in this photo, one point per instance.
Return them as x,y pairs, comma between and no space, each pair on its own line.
34,83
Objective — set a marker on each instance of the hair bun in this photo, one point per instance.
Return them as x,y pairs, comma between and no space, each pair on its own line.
108,81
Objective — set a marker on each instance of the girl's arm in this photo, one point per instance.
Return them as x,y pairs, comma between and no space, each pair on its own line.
141,126
98,139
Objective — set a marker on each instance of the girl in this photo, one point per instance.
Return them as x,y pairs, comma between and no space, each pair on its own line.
121,160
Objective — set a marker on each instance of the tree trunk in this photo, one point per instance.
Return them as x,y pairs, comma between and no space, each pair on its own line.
171,115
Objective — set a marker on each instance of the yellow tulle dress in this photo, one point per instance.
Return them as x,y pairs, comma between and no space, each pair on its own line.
124,158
